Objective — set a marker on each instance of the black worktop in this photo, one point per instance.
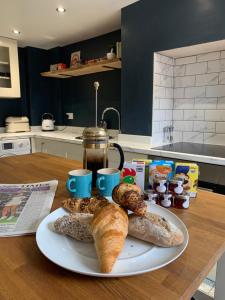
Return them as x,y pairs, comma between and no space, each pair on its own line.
194,148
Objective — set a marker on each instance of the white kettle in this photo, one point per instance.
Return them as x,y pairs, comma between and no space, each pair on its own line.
48,122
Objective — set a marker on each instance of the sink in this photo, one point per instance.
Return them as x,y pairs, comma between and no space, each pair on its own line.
81,137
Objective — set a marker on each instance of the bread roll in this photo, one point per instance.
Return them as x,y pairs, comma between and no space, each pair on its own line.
129,196
84,205
155,229
109,228
75,225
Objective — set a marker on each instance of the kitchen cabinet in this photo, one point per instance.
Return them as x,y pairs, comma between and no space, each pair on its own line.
58,148
9,69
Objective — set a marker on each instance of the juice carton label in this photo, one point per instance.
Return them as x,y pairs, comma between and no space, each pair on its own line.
134,173
189,172
161,168
147,163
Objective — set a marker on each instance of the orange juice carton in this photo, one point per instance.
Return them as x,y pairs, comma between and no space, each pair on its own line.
189,172
134,173
161,168
147,163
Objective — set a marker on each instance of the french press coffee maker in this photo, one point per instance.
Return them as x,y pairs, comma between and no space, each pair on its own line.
96,145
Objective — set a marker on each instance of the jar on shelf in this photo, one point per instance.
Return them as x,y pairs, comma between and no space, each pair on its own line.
176,186
166,200
182,201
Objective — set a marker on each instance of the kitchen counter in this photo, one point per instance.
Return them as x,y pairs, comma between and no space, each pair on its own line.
32,276
210,154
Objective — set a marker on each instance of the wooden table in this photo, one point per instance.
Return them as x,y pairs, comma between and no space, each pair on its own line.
26,274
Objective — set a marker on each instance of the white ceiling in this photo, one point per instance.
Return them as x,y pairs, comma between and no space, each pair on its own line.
41,26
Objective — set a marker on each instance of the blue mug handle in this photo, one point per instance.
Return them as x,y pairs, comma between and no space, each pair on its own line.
99,180
68,184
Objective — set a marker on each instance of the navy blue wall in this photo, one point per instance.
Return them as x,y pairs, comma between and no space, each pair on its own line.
78,93
154,25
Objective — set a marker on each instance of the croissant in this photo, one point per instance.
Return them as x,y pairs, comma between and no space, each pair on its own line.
129,196
85,205
109,228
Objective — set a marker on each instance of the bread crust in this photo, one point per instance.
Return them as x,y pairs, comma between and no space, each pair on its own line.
109,228
84,205
155,229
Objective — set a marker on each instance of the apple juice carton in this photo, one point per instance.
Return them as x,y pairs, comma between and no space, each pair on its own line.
161,168
134,173
147,163
189,172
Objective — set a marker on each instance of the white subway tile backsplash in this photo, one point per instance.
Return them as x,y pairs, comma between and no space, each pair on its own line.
159,91
177,136
198,68
184,81
155,127
222,78
183,125
208,56
179,70
163,69
178,93
185,60
221,103
156,103
220,127
204,126
184,103
163,80
168,115
158,115
214,139
194,114
166,60
216,65
193,137
215,115
166,103
205,103
207,79
169,93
178,114
222,54
215,91
191,92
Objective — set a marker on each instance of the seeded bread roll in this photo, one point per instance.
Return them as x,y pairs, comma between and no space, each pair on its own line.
76,225
155,229
129,197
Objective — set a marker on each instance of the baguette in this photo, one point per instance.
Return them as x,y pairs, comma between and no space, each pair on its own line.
155,229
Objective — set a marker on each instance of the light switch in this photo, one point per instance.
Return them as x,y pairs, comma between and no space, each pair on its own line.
69,116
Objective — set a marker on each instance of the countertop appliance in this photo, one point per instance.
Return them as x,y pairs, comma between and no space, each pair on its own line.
17,124
10,147
48,122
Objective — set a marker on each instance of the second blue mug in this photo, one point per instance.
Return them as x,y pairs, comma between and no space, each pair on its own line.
107,179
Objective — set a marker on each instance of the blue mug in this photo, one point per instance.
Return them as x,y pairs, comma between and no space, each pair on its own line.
79,183
107,179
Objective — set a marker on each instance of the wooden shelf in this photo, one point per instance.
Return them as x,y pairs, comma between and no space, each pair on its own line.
102,66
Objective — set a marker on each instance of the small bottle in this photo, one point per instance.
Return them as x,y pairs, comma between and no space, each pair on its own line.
153,197
166,200
176,186
182,201
160,185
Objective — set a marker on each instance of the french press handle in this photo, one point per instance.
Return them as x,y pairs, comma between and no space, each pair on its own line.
118,147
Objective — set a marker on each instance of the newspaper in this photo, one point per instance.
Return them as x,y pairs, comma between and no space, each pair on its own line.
23,206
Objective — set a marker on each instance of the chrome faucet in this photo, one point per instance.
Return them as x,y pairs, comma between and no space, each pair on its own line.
114,109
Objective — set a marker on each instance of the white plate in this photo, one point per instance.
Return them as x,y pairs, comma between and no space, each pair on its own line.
137,257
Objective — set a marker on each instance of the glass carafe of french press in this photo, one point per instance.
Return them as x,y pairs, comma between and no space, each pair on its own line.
96,144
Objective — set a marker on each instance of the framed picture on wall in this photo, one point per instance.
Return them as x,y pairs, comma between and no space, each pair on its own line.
75,59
